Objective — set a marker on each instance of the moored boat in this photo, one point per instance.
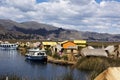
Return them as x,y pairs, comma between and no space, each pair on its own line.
8,46
37,56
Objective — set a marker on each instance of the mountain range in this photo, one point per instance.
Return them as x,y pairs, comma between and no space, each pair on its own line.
33,30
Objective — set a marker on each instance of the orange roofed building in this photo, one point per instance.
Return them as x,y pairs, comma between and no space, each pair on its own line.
69,46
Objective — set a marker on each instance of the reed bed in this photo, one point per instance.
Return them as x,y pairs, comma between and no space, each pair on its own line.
96,65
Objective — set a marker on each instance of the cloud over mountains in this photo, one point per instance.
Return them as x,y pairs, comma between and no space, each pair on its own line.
85,15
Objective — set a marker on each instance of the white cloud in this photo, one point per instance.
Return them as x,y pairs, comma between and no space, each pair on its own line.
86,15
23,5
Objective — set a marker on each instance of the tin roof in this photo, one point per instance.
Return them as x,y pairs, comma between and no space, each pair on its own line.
79,41
49,43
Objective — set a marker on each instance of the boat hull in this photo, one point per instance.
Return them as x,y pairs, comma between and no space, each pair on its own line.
37,58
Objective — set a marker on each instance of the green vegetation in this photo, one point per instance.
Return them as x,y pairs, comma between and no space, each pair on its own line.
65,57
56,56
48,51
96,65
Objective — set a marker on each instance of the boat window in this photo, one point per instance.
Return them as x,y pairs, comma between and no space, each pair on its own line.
38,53
42,53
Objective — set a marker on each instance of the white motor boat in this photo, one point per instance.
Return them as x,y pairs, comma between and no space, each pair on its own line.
8,46
37,56
35,50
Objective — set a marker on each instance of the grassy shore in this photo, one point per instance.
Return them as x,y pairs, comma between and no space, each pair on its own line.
96,65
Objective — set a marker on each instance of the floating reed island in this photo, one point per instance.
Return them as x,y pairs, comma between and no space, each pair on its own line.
60,62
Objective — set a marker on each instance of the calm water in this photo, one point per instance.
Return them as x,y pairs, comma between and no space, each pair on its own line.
12,62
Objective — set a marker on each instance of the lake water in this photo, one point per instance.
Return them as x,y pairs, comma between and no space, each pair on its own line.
13,63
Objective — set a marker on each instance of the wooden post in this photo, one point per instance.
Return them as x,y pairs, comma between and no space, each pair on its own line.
72,56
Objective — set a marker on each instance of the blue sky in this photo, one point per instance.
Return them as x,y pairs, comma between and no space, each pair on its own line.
98,1
39,1
101,16
106,0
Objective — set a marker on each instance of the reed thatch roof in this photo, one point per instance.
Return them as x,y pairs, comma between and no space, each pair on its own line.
110,49
90,47
93,52
112,73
